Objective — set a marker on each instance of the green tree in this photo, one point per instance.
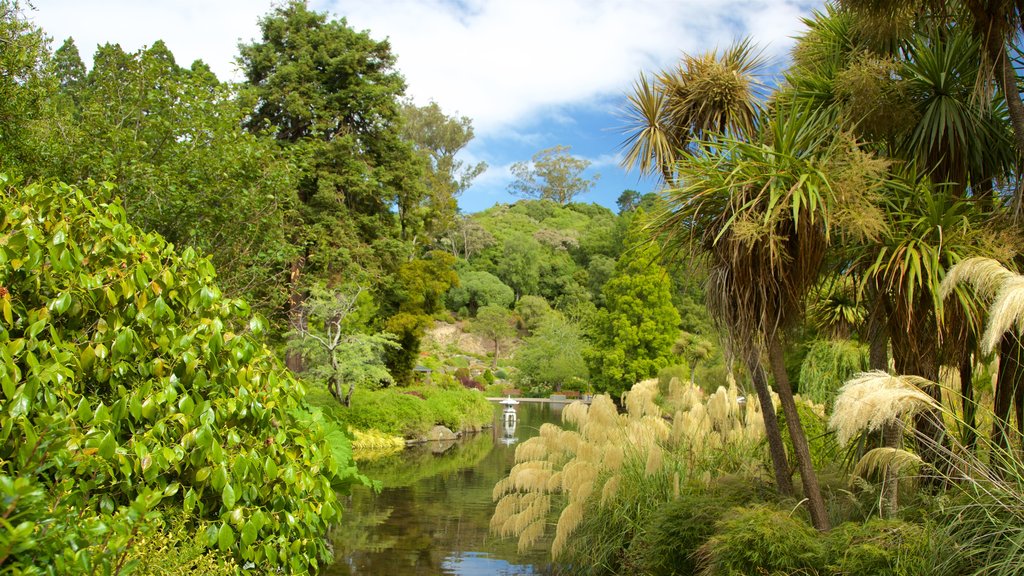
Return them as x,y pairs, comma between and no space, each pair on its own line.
554,355
476,289
439,138
22,62
633,335
553,174
335,327
332,96
132,388
497,325
416,292
519,264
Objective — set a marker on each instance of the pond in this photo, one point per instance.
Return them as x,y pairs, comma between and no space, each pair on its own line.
432,515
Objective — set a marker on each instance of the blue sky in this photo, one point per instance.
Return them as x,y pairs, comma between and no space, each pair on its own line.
531,74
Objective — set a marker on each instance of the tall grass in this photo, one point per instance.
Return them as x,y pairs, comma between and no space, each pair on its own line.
603,475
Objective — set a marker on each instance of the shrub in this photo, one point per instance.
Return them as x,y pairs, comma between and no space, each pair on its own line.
882,548
130,387
762,539
174,548
666,374
830,363
390,411
681,526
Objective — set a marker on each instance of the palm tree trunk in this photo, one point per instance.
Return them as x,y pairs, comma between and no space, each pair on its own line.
967,398
780,465
891,436
1008,382
1011,93
809,479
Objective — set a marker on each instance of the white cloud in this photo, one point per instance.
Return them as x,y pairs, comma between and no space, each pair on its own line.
192,29
497,61
501,61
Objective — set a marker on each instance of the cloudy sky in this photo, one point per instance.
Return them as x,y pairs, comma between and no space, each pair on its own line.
531,74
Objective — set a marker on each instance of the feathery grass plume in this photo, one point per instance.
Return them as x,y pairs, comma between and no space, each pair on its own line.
611,486
655,459
568,520
1006,312
532,449
885,457
985,275
529,536
683,395
613,456
872,399
575,414
640,399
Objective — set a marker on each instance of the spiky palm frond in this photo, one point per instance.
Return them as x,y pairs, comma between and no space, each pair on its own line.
763,211
873,399
712,92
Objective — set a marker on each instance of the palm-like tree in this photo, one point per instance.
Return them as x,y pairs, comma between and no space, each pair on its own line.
666,114
995,26
763,211
667,117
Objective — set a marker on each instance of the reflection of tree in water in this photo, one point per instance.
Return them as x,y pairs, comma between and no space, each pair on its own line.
357,533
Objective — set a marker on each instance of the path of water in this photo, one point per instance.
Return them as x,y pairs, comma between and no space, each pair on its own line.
432,516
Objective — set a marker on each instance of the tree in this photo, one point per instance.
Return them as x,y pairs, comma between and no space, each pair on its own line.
335,327
553,174
763,209
133,388
476,289
554,355
332,97
996,26
497,325
628,200
633,335
668,116
439,138
674,110
22,62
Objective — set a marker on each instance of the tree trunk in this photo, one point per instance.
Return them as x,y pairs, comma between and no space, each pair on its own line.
1008,385
809,479
293,358
780,465
494,363
348,396
891,436
1011,93
915,351
967,399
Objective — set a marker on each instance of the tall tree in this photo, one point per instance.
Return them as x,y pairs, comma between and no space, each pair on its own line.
332,96
633,335
439,138
554,174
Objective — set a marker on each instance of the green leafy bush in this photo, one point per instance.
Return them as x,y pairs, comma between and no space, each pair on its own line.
762,539
882,548
130,386
390,410
681,526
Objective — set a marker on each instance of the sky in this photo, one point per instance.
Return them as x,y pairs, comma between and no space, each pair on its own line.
531,74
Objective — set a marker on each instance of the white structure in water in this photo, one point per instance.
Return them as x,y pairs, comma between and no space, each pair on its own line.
509,415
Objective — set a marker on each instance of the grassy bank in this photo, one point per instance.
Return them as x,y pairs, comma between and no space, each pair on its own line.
387,417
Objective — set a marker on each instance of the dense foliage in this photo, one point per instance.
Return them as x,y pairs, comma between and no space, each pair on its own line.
131,386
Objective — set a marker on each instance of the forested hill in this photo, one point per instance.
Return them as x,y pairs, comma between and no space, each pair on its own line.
315,176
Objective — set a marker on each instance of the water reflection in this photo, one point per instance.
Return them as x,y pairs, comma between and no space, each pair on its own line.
432,516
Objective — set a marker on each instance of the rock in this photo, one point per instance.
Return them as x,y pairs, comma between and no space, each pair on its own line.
440,433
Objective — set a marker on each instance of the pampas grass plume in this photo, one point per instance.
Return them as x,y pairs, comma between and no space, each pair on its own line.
871,399
1006,312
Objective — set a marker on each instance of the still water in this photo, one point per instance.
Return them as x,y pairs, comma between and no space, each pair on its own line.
432,515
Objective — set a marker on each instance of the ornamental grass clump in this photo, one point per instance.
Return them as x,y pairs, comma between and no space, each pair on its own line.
597,476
